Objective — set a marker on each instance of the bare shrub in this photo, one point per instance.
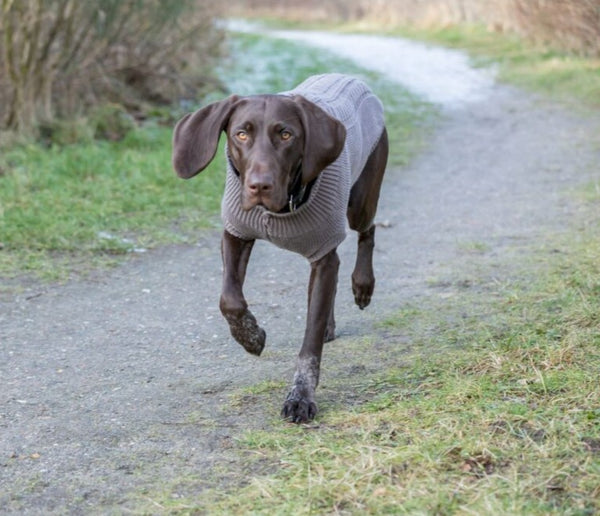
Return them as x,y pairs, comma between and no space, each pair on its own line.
61,56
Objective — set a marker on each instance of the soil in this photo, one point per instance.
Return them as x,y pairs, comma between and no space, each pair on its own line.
119,385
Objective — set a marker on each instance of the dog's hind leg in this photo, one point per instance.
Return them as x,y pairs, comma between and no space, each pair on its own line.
242,324
362,208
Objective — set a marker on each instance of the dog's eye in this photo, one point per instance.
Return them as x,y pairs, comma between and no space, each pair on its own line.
242,135
285,135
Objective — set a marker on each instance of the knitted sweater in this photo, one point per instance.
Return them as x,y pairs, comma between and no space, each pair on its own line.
319,224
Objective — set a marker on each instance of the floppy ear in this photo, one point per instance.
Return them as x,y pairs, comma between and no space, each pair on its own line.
196,137
324,138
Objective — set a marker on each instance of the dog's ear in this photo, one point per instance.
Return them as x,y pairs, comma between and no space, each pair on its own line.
196,137
324,138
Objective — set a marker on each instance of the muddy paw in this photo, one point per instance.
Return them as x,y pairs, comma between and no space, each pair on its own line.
298,409
362,288
247,332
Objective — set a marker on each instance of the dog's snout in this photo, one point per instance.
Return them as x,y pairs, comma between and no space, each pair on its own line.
262,188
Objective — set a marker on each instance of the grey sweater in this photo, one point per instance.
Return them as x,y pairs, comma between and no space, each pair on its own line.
318,225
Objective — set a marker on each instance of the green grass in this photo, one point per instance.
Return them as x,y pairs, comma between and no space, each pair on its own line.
64,205
487,404
67,208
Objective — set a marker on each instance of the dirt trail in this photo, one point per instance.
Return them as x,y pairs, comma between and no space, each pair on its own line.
116,386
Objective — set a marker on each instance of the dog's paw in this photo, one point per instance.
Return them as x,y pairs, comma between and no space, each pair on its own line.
362,288
298,409
247,332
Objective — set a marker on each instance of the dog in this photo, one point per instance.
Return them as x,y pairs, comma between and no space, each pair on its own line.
299,165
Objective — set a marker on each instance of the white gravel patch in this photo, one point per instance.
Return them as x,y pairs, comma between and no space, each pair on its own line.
437,74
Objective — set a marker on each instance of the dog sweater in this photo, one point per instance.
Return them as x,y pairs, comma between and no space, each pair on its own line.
319,224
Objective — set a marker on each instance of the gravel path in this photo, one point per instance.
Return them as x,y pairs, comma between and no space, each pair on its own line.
117,385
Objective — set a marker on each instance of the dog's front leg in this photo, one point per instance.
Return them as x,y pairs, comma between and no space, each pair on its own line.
242,324
300,405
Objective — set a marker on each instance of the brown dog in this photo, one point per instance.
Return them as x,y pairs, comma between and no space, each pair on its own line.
299,164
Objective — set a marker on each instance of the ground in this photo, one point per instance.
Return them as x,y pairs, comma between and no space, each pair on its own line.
121,383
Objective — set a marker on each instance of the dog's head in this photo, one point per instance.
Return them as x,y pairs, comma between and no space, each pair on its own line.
273,142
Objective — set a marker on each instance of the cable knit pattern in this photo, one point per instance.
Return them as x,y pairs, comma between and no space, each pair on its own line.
318,225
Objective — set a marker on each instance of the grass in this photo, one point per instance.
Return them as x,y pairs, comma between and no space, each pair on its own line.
487,404
68,208
66,205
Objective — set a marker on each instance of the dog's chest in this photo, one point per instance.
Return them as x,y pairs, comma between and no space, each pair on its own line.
312,230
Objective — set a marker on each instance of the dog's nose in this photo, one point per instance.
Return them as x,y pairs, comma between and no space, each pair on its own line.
260,186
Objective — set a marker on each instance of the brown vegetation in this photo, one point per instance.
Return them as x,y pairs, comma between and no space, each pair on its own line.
572,25
58,57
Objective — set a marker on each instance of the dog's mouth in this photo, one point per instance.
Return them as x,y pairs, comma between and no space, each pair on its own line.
250,201
293,201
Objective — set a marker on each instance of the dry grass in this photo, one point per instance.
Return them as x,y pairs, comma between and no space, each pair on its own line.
570,25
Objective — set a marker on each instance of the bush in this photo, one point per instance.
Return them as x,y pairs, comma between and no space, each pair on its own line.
59,57
111,122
